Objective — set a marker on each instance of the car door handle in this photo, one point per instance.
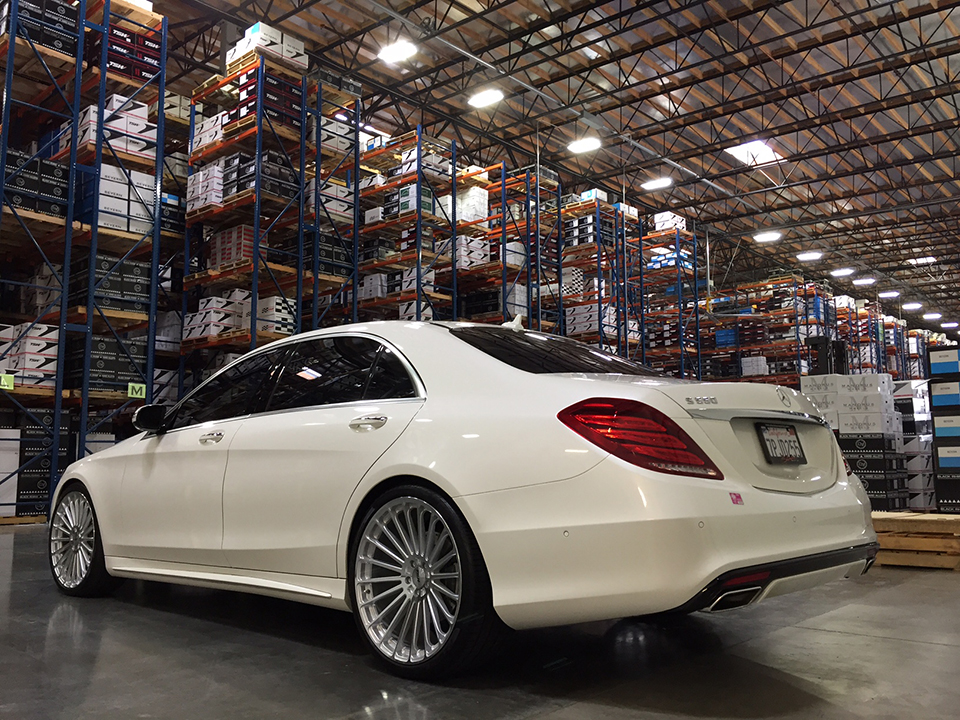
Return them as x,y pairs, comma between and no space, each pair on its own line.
366,423
211,438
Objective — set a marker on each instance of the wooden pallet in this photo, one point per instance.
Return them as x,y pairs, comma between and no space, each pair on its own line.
25,520
273,64
918,540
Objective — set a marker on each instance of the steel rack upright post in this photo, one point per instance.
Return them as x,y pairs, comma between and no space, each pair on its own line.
37,228
257,156
333,217
549,255
118,295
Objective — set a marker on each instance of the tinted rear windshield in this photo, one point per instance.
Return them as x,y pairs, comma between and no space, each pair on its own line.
538,353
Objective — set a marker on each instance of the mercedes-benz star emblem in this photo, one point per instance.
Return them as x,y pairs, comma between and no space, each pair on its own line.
783,396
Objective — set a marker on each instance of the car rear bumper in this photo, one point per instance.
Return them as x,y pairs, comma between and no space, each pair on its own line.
744,586
617,542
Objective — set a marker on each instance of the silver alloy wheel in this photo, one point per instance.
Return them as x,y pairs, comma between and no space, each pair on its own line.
408,580
72,538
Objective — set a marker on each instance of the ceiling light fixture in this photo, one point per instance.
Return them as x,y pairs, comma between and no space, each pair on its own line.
755,153
912,306
922,260
486,97
865,281
767,236
842,272
809,256
658,184
889,294
932,316
949,325
587,144
397,51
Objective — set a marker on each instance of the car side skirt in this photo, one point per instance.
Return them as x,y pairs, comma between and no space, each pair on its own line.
325,592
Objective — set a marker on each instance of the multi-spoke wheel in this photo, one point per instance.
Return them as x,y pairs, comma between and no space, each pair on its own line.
421,594
76,553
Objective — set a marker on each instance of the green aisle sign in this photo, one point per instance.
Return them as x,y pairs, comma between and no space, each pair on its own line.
6,382
137,390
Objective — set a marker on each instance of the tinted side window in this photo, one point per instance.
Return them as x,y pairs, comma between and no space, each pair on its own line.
324,371
389,378
229,394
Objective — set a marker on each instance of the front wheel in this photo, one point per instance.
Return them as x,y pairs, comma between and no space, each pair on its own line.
75,548
421,593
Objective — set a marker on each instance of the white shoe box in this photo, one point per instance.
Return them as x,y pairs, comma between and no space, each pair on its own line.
866,402
868,423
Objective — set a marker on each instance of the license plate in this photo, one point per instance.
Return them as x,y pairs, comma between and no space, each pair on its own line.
781,444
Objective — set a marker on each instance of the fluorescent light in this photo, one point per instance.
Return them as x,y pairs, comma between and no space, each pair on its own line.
889,294
842,272
864,281
755,153
583,145
397,52
341,117
486,97
922,260
932,316
949,325
657,184
767,236
809,256
912,306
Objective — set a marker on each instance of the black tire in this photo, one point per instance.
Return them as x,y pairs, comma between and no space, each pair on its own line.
476,631
96,581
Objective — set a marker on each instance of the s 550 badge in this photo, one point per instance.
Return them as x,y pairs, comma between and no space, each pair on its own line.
701,401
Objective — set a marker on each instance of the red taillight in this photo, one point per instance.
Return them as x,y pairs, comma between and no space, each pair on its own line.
640,435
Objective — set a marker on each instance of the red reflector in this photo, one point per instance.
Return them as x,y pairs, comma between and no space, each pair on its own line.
744,579
640,435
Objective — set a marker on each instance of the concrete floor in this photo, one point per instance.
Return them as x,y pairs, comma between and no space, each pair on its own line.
883,646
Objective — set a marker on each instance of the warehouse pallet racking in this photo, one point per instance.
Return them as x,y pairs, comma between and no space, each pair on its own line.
72,136
666,291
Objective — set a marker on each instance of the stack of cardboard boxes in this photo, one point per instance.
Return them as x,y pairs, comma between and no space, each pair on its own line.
473,206
668,221
231,310
29,352
588,318
41,294
482,302
132,51
207,131
272,43
911,398
36,184
51,24
205,187
26,456
126,127
860,408
336,203
282,101
168,330
232,244
124,285
175,107
472,251
124,200
754,366
112,364
945,406
338,137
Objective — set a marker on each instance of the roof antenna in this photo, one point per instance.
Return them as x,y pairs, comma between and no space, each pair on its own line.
515,324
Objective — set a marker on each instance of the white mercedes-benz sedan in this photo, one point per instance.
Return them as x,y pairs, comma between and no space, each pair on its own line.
442,480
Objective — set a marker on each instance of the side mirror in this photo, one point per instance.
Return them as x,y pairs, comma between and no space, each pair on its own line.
149,418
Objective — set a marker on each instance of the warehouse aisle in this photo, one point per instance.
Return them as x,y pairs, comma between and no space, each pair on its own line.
857,649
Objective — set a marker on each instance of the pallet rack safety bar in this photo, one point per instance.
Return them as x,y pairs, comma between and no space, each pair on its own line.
68,90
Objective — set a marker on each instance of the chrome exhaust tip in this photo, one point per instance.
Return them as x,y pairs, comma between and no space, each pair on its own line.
735,599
